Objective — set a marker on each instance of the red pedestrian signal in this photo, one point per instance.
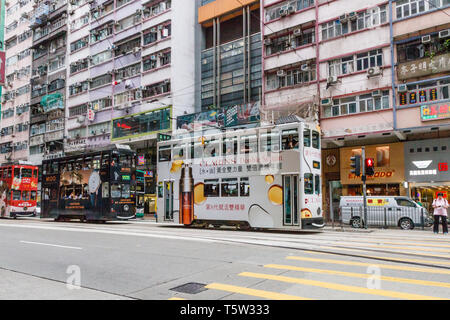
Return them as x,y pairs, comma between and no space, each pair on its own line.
370,166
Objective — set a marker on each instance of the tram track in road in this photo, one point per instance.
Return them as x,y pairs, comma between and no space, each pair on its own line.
260,240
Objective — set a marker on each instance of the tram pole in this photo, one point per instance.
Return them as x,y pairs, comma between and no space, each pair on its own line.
363,178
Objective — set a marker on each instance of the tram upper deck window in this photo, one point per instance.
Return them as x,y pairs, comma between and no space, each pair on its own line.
309,183
212,188
164,153
125,160
196,150
270,141
27,173
16,172
229,146
211,148
179,152
289,139
307,138
249,144
9,173
230,187
245,187
315,139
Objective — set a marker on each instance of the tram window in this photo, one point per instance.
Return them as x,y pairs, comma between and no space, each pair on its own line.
96,162
196,150
115,190
126,191
16,172
317,184
53,167
229,146
249,144
35,173
9,173
179,152
270,141
16,195
25,195
212,188
8,195
289,139
105,160
211,148
309,185
245,187
78,164
229,187
160,189
33,195
164,153
315,139
26,173
307,138
5,172
125,161
105,189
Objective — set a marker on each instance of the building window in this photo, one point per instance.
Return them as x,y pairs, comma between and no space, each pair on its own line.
363,61
368,60
425,92
101,33
127,96
100,81
78,23
78,87
78,110
129,71
363,20
102,10
121,2
99,128
101,104
77,133
79,65
415,49
127,47
357,104
127,22
151,62
292,77
157,8
156,89
101,57
275,12
56,63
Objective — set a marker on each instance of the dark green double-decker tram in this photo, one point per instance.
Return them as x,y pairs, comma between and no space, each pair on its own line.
94,186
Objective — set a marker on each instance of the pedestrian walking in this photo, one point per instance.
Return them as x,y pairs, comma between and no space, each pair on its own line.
440,206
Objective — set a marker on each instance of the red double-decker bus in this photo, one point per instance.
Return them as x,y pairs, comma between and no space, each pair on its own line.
18,190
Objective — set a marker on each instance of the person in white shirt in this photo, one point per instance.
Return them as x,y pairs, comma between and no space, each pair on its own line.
440,206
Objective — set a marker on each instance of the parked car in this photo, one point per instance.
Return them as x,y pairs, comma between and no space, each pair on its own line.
389,211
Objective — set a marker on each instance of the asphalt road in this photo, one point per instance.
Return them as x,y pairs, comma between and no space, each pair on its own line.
142,260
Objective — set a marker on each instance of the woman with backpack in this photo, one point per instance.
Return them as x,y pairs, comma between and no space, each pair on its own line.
440,206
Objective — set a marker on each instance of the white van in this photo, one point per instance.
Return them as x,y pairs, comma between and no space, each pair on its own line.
385,211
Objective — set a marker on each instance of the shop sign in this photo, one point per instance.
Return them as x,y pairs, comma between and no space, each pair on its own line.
379,174
141,160
423,67
443,166
435,112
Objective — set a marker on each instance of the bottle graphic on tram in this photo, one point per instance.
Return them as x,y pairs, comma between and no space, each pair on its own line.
186,195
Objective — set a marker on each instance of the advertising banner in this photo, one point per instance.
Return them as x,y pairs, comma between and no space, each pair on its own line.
435,112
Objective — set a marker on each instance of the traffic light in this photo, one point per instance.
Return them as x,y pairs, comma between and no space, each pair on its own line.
164,137
370,167
356,165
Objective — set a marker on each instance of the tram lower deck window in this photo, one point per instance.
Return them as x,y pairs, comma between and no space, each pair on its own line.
229,187
16,195
212,188
115,190
25,195
33,195
309,183
164,153
245,187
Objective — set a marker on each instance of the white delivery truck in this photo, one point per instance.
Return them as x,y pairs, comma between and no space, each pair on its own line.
385,211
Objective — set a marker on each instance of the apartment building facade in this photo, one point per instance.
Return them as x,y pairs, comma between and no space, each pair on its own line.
15,115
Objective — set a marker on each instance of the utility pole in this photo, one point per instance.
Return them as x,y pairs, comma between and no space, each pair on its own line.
363,178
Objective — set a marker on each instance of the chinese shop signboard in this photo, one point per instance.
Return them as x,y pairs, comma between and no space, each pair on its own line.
423,67
435,112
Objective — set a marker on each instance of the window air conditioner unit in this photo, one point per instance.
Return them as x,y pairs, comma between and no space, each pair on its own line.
153,57
160,27
426,39
138,12
402,88
80,119
93,132
352,16
344,18
153,30
444,34
332,79
376,93
374,71
304,67
71,11
283,12
160,54
290,9
136,49
326,102
281,73
298,32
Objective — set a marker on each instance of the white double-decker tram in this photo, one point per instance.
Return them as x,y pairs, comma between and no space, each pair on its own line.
264,177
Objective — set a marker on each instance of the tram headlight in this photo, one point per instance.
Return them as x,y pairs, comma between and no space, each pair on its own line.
126,207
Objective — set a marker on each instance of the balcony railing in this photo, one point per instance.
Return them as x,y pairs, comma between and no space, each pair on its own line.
53,155
52,136
42,32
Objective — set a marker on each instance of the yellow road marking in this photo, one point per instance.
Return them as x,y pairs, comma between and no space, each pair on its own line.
362,264
340,287
359,275
385,258
362,249
176,298
254,292
419,244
